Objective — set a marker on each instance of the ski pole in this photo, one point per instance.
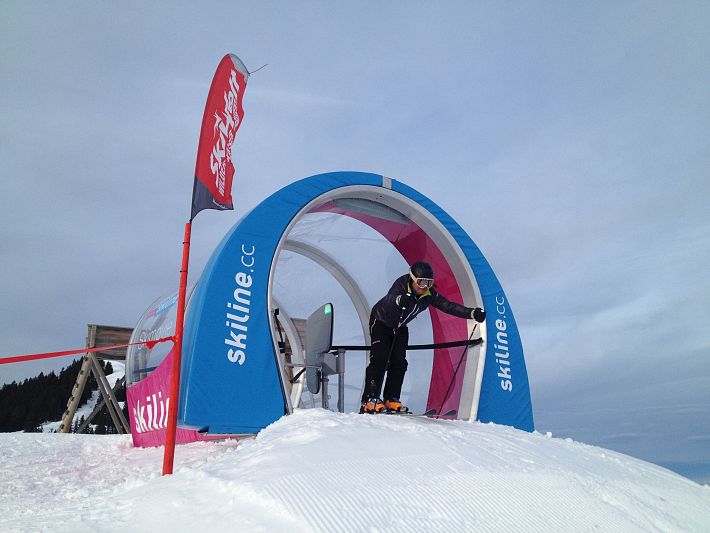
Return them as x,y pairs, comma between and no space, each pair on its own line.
453,378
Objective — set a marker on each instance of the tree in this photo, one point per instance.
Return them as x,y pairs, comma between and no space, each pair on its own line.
25,406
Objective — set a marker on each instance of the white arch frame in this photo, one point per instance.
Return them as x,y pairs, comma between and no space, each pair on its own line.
473,374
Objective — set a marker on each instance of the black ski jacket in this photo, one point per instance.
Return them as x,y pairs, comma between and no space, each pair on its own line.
389,313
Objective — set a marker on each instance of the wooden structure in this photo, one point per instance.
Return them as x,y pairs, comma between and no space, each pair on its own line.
99,336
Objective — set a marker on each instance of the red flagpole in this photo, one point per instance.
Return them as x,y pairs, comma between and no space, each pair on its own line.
212,189
170,431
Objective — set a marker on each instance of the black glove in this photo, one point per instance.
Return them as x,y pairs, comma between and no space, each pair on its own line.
478,314
405,302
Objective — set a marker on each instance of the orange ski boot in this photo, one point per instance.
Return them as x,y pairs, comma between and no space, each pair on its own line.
372,406
395,406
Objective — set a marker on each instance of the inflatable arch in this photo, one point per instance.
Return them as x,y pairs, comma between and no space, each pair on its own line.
234,377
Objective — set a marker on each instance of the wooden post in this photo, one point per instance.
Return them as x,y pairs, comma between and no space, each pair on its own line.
103,336
99,406
119,420
79,385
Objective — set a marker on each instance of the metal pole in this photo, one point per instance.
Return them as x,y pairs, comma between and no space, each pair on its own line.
341,380
324,389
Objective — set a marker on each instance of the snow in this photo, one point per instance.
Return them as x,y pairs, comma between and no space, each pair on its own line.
322,471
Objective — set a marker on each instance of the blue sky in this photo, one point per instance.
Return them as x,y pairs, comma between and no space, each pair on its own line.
569,139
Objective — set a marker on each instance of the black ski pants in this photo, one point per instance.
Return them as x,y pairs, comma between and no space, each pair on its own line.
388,354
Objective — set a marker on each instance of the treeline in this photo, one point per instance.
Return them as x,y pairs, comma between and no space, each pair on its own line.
27,405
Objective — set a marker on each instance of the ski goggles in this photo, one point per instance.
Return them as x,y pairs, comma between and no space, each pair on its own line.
422,283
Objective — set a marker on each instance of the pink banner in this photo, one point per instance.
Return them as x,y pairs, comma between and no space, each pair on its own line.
148,403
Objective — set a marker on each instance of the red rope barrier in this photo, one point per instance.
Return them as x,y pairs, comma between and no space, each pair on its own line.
32,357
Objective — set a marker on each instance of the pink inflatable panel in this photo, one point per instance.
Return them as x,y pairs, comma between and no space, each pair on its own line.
415,245
148,402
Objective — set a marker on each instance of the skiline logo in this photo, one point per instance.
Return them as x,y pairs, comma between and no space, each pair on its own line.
153,415
502,353
225,128
237,313
163,307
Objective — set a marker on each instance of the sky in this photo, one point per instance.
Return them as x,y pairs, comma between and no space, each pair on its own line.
569,139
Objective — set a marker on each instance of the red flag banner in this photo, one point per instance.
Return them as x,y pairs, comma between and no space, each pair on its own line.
223,115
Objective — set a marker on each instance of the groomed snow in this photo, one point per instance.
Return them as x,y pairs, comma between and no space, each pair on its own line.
322,471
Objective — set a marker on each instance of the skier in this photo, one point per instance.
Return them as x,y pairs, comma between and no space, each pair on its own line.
409,295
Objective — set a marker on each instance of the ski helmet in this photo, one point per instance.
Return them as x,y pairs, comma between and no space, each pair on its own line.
420,269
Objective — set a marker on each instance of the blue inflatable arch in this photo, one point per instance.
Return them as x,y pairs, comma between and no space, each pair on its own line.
233,376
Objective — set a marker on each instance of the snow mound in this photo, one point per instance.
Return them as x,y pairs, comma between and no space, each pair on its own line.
323,471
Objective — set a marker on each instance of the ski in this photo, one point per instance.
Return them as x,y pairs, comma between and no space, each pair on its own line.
431,413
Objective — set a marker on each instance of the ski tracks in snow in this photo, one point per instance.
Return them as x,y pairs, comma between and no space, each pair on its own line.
318,471
374,473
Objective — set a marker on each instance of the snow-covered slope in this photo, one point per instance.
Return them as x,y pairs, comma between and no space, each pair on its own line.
323,471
